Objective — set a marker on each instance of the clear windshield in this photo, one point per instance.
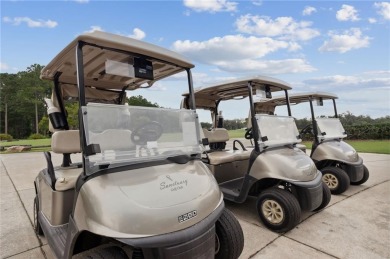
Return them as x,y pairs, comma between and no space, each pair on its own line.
330,128
134,134
277,130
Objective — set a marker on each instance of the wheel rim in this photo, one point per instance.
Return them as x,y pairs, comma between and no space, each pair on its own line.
217,244
330,180
272,211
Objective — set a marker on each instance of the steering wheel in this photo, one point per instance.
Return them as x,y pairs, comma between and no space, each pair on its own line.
307,129
150,131
248,133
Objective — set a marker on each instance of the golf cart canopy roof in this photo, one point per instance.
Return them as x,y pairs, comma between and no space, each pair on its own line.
207,97
297,98
107,60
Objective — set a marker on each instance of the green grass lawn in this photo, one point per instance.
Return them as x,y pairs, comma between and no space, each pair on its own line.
35,143
364,146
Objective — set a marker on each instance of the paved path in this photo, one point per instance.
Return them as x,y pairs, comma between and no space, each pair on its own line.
355,224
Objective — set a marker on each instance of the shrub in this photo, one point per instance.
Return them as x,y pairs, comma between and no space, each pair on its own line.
36,136
6,137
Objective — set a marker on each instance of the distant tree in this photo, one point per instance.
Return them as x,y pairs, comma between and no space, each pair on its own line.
140,101
21,101
205,125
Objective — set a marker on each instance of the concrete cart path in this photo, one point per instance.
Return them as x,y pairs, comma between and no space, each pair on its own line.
355,224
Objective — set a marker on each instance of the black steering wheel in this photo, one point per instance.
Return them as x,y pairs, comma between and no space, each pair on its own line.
248,133
150,131
307,129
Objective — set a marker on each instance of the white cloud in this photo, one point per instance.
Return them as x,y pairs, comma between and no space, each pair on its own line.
257,2
371,20
347,13
349,40
267,67
340,81
282,27
81,1
137,34
229,47
30,22
94,28
384,9
211,6
236,53
309,10
3,66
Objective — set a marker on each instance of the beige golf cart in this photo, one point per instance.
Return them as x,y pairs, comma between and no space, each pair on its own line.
141,190
284,178
339,162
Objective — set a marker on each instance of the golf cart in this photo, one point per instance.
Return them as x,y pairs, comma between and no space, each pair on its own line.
141,190
285,179
339,163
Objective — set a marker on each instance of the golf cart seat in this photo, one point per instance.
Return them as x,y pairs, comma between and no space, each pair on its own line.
64,142
220,156
113,139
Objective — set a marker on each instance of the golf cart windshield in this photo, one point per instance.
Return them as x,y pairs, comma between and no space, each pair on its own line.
277,130
330,128
138,134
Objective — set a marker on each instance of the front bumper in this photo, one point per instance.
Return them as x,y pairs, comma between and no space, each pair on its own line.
197,241
310,193
354,171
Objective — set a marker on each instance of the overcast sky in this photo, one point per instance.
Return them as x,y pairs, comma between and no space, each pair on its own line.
336,46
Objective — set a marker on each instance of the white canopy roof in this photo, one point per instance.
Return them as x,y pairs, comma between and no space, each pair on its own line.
164,61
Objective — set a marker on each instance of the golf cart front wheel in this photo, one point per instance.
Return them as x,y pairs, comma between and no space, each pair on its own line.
278,209
326,196
229,238
336,179
366,175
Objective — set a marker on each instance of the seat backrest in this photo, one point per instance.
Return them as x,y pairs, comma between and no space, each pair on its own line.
217,137
113,139
66,142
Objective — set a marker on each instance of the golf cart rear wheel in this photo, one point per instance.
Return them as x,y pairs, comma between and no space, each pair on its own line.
278,209
326,196
37,226
366,175
229,238
336,179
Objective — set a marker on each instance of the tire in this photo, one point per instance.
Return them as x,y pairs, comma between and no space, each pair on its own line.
112,252
229,238
326,196
37,227
288,212
336,179
366,175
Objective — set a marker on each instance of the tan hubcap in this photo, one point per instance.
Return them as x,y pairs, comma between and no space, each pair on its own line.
330,180
272,211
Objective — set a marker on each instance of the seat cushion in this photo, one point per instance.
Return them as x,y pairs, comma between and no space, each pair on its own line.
221,157
216,135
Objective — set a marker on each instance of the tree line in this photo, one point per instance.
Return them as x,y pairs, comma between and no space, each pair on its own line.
23,111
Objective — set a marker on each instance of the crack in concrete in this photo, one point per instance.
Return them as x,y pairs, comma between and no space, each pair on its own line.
316,249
